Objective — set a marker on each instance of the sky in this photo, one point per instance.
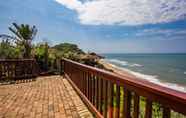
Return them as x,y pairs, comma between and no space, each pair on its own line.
103,26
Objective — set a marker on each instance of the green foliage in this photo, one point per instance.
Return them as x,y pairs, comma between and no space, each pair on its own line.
66,48
24,34
8,51
41,55
69,51
39,51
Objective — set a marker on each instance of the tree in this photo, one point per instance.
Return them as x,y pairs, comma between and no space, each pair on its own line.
8,51
68,48
24,35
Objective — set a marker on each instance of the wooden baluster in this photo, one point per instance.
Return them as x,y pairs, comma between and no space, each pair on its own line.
97,92
84,84
86,77
7,70
102,96
80,73
99,86
148,109
127,104
111,98
71,72
3,70
90,88
105,98
136,106
82,81
93,90
166,112
117,112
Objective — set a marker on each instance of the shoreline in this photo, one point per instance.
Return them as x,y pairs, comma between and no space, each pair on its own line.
152,79
115,69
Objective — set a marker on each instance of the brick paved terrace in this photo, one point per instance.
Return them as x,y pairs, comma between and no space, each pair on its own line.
47,97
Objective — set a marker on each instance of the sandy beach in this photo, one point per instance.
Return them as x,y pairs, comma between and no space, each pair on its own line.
116,69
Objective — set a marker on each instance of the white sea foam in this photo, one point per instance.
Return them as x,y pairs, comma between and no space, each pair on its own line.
153,79
136,65
184,73
123,63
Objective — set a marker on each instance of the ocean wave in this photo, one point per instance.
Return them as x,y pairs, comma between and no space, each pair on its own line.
184,73
136,65
153,79
123,63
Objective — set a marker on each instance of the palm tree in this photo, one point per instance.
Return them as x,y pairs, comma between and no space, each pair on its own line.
24,35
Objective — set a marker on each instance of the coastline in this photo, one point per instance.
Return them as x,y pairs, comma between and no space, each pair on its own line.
115,69
152,79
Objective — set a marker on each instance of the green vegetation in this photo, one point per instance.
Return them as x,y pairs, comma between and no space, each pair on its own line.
8,51
19,45
66,48
23,37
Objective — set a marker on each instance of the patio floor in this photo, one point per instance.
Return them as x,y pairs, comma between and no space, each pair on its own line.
47,97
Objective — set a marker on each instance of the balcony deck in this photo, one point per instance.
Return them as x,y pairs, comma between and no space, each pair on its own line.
106,94
49,96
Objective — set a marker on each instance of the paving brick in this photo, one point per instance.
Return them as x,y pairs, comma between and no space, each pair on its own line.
47,97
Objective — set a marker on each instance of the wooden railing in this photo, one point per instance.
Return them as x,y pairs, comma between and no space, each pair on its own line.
115,96
18,69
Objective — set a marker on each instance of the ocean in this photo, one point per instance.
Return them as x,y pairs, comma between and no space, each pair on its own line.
168,70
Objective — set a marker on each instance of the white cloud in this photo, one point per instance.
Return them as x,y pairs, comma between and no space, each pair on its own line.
71,4
164,32
127,12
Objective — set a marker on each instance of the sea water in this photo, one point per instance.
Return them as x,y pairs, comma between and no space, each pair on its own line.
168,70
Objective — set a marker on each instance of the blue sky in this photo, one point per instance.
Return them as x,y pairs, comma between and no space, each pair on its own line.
103,26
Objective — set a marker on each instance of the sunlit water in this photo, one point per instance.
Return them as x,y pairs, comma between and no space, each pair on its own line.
165,69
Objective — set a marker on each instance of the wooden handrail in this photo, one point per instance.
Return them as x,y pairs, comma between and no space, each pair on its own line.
13,69
104,92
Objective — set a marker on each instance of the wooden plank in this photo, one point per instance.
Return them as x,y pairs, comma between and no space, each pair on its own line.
100,95
136,106
127,104
111,98
97,92
86,76
105,98
148,109
90,90
84,84
88,86
93,90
